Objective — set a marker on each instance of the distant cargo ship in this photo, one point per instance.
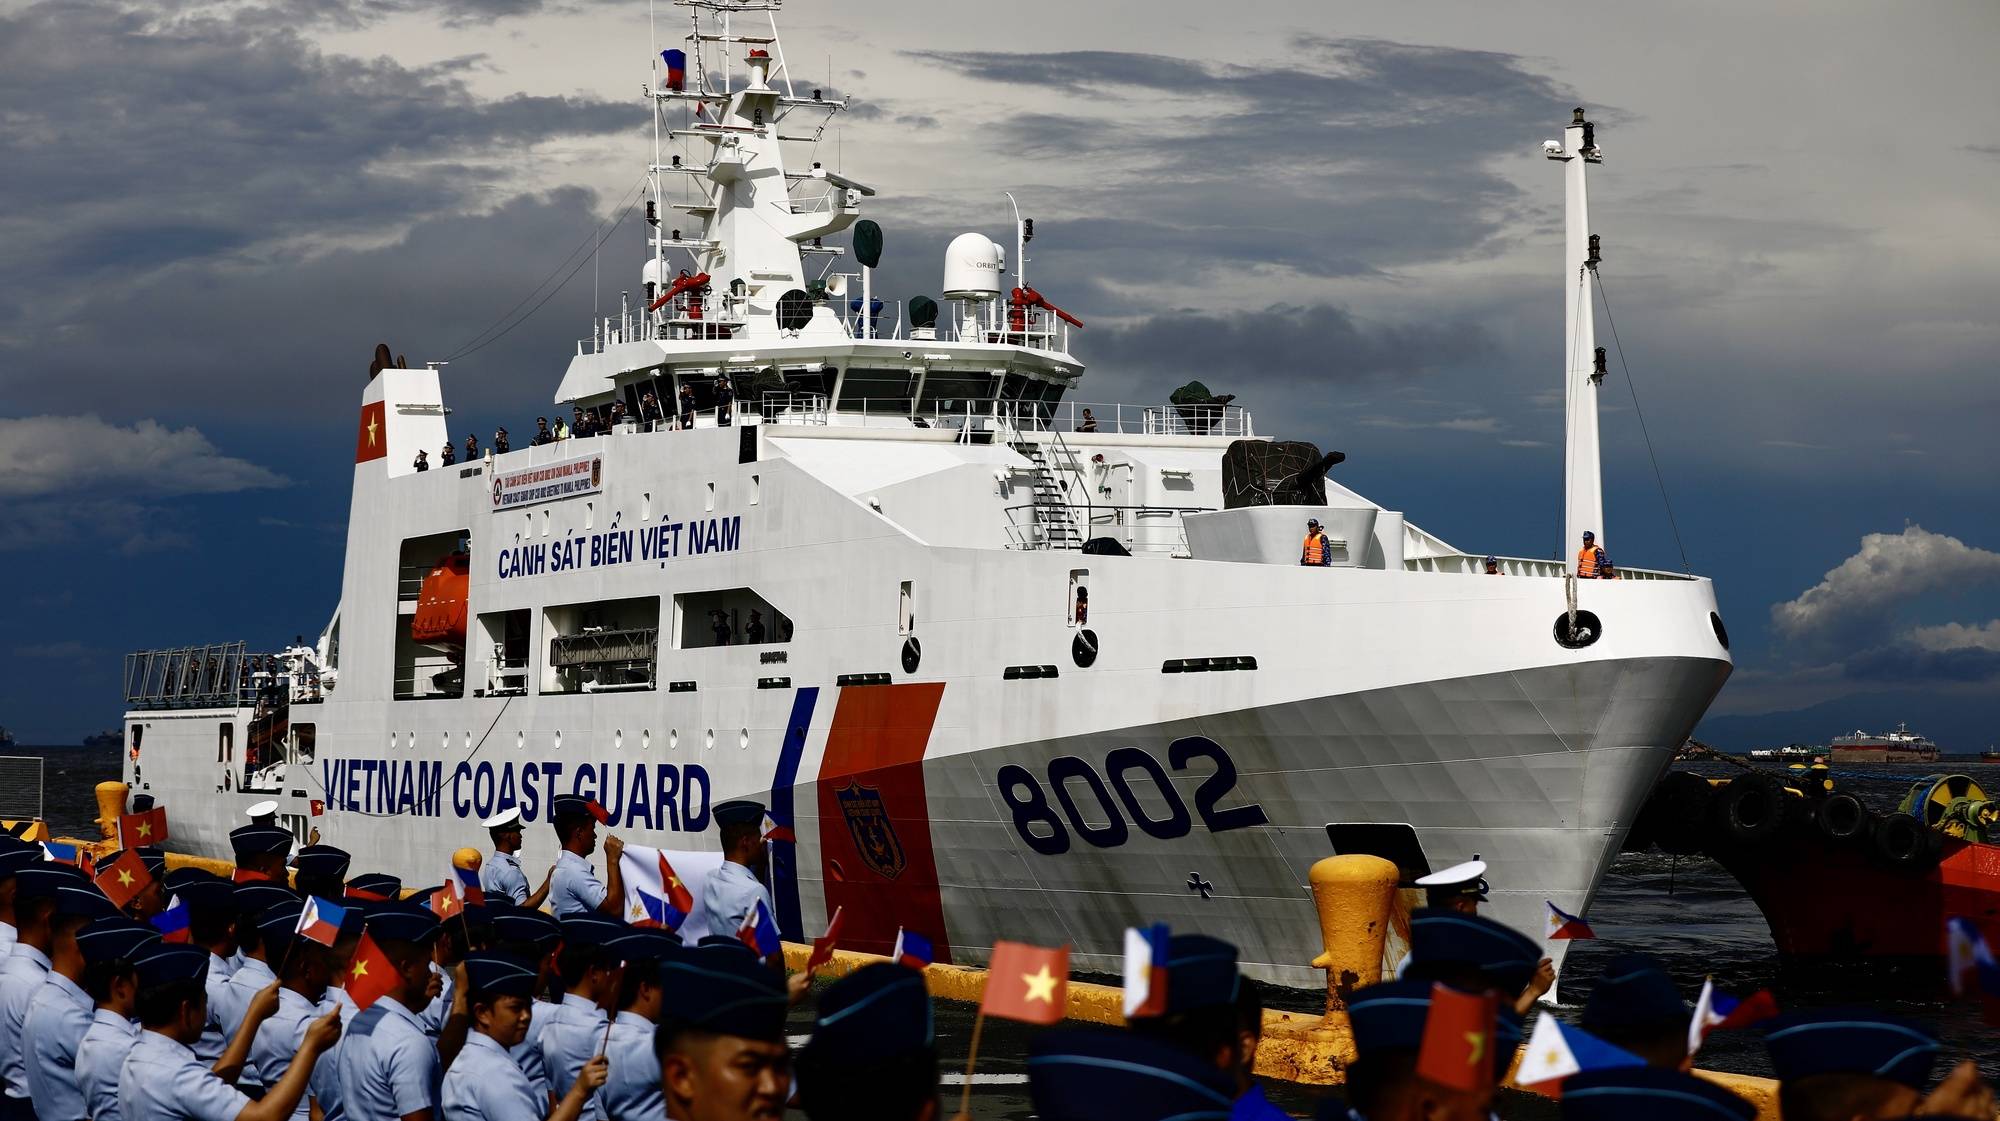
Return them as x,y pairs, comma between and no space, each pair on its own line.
110,737
1899,746
6,738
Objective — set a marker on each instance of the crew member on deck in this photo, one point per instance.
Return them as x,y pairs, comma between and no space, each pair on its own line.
1592,563
423,461
687,406
1493,566
502,875
1318,551
471,447
448,456
500,444
733,890
574,887
753,631
725,396
649,410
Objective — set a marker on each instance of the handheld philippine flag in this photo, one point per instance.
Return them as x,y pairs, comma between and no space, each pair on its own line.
1969,959
464,882
1457,1049
759,931
1555,1051
148,828
1563,925
774,830
172,923
1715,1010
123,879
1027,983
912,949
1146,970
320,921
59,852
677,62
824,945
371,975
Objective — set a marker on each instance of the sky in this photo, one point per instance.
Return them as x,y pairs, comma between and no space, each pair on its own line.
211,212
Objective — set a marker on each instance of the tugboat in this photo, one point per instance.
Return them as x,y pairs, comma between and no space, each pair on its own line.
1836,881
1899,746
999,660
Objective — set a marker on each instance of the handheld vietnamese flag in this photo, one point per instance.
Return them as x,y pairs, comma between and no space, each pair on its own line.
172,923
1564,925
1146,970
759,931
371,975
1027,983
1715,1010
824,945
677,72
123,879
912,949
671,909
1457,1051
1556,1051
249,876
445,904
598,811
148,828
320,921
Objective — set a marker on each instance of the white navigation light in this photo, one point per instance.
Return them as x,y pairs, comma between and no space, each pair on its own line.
654,273
972,268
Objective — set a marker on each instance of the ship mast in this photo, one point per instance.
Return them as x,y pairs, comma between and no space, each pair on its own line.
1583,360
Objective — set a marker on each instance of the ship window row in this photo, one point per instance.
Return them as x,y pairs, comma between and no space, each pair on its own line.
881,389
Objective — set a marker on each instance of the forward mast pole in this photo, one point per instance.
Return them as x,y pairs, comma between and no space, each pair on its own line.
1583,473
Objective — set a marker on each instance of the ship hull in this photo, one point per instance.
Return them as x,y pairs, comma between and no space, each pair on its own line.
1208,822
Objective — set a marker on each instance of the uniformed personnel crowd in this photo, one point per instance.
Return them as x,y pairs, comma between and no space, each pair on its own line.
208,999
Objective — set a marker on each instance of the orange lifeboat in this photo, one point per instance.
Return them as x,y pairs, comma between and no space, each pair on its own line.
440,618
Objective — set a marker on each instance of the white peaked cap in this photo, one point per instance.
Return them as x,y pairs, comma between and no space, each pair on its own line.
259,809
1456,874
509,816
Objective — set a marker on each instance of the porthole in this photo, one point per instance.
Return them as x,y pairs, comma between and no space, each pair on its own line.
673,738
1587,629
1083,648
618,739
743,739
708,741
1721,632
646,740
520,741
558,739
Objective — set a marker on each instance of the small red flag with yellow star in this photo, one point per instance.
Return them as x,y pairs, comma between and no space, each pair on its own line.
123,879
1457,1051
149,828
371,975
1027,983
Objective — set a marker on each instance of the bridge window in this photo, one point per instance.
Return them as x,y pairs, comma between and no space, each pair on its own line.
501,650
729,617
603,646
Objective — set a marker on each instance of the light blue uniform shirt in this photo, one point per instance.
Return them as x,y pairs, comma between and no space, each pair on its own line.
348,1009
248,980
8,936
502,875
731,893
57,1019
388,1066
439,1009
632,1087
163,1081
21,977
486,1084
576,888
99,1061
528,1052
277,1044
569,1040
213,1043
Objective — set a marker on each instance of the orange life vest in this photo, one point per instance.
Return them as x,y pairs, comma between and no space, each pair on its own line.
1586,562
1314,550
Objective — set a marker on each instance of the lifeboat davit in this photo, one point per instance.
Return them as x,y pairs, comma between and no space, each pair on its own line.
440,618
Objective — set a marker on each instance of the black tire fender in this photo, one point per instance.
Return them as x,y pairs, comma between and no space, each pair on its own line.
1750,810
1841,817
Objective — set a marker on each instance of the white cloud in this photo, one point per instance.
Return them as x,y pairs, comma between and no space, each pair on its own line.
1956,636
1454,424
1889,570
49,455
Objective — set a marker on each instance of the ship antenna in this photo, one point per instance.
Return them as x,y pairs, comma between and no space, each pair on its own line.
1020,244
1583,474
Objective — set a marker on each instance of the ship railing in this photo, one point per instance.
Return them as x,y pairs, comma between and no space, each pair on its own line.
1142,420
1143,530
21,787
1467,564
428,679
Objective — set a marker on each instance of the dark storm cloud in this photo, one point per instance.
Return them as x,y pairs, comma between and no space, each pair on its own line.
1285,346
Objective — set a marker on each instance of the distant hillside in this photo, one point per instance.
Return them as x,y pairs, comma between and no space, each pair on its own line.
1959,725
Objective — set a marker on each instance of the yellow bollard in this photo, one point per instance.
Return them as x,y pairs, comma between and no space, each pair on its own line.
1353,893
110,805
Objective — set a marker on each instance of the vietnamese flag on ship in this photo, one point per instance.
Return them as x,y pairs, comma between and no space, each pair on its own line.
371,441
1027,983
149,828
371,975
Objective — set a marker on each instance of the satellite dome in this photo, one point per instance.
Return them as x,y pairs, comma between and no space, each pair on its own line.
972,268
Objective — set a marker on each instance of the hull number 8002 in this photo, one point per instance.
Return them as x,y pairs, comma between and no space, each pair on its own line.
1047,828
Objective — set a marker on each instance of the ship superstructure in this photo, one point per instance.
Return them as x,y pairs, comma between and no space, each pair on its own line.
1898,746
1006,662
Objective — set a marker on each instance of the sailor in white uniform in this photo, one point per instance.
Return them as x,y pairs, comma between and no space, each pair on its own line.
501,875
1461,887
484,1083
574,886
733,889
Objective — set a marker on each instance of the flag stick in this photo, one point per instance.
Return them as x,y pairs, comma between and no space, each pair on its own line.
965,1098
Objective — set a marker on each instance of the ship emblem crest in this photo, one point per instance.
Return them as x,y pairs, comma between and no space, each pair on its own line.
874,836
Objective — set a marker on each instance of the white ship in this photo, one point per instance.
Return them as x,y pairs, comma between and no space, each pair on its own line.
1007,672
